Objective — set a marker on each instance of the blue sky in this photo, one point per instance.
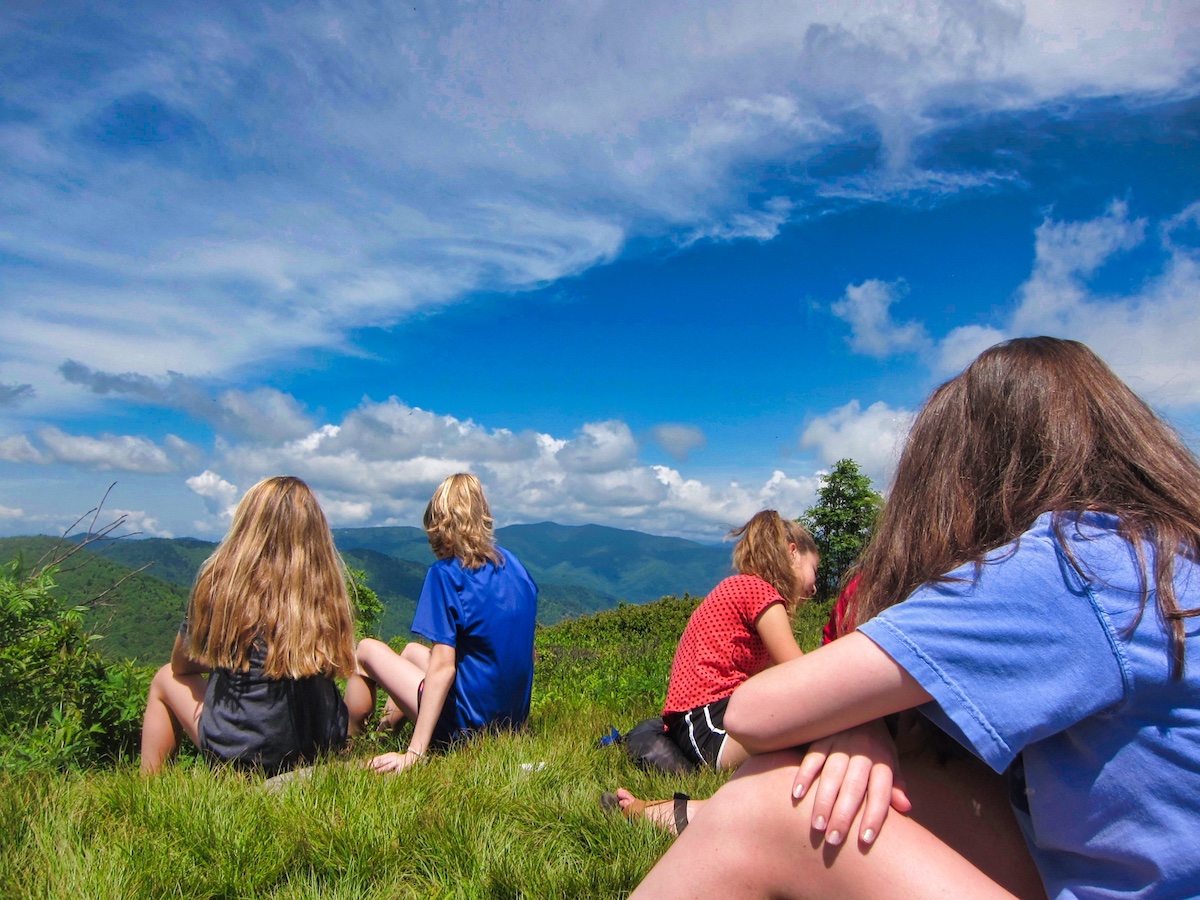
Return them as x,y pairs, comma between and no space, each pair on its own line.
652,265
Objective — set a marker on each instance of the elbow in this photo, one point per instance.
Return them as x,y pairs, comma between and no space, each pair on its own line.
740,722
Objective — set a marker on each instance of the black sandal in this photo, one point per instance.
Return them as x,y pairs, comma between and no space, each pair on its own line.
637,809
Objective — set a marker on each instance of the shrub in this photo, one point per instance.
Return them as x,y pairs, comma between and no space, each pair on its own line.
62,705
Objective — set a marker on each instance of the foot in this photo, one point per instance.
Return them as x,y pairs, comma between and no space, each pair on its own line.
392,718
670,815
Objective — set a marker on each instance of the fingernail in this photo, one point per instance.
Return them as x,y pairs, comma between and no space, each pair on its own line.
833,838
819,823
868,836
798,791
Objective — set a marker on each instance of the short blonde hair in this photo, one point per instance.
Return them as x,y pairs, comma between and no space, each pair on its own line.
275,578
762,550
459,523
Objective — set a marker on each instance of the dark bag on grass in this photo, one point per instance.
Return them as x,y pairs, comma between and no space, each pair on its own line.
648,745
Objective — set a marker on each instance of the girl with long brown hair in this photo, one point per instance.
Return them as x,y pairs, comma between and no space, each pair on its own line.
1031,588
270,619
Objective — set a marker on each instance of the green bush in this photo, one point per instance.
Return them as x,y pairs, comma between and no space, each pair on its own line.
62,705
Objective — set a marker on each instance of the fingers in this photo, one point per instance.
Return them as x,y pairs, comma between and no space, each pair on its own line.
836,780
900,801
810,768
877,803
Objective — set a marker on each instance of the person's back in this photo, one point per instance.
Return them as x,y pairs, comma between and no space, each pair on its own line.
490,615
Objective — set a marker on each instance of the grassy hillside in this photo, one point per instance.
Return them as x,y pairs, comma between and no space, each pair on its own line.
510,815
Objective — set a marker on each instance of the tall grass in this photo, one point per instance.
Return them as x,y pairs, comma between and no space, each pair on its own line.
511,815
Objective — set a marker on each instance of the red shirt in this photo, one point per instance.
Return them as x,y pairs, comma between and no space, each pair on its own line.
720,647
838,615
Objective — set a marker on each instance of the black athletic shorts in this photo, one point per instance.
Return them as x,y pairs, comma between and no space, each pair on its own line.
700,732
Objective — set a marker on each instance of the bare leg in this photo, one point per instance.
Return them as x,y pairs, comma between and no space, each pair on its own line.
360,701
658,812
172,710
755,841
732,755
399,674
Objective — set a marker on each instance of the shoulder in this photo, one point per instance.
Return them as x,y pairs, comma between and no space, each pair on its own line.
744,591
510,563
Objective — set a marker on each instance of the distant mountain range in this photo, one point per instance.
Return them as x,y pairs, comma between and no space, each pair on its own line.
578,569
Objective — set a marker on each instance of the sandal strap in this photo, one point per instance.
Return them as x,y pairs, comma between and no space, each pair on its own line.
681,812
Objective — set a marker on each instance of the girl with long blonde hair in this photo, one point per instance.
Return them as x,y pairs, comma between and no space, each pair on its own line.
270,619
478,609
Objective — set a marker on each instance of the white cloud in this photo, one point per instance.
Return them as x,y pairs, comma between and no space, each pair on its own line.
872,437
1147,335
106,452
7,512
678,440
958,348
380,464
481,147
219,495
17,448
866,308
138,522
599,447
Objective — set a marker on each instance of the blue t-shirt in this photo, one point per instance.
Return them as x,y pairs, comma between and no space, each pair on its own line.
1030,658
487,615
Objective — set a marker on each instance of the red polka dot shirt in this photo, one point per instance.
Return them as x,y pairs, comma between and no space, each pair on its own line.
720,647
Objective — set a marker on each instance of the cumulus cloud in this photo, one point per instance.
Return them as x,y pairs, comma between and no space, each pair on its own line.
872,437
380,464
7,512
873,331
17,448
219,495
599,447
678,440
106,452
138,522
1147,335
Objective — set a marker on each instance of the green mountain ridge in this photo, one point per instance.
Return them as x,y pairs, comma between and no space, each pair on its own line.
579,569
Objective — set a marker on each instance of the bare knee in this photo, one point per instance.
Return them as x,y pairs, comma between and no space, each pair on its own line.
417,654
158,684
369,652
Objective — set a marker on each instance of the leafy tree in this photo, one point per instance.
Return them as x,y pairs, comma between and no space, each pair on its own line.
368,609
841,522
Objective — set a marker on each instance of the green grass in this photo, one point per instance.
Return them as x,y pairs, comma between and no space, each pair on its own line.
489,820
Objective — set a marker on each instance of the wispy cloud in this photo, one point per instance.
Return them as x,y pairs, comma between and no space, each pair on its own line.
433,158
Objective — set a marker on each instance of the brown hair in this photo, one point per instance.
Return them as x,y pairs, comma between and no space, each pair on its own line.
458,523
275,578
1034,425
762,550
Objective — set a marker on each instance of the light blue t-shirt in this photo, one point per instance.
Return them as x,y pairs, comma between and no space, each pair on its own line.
1030,658
488,616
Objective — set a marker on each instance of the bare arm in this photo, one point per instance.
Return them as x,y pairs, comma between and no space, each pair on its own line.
439,679
843,684
775,630
181,663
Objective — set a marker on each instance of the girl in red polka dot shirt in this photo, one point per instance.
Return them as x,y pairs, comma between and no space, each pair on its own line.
741,628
